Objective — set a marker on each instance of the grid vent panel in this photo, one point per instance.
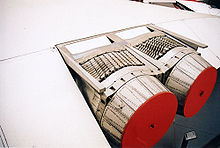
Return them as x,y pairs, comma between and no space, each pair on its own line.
103,65
158,46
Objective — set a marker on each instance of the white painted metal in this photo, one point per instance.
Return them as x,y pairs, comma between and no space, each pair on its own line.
41,106
88,44
28,26
208,33
128,34
200,7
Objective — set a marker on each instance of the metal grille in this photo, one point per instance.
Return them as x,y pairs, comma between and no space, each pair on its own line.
103,65
157,46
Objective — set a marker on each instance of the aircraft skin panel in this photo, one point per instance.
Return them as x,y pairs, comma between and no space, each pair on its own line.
200,7
41,106
29,26
41,102
205,32
210,33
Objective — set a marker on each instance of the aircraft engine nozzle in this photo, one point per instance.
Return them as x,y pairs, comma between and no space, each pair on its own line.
192,81
135,86
140,112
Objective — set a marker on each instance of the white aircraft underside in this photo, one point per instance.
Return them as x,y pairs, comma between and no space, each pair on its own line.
40,104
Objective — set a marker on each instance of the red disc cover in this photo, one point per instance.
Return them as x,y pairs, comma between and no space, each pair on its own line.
200,91
150,121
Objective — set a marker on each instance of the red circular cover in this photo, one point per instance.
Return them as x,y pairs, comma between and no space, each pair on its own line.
150,121
200,91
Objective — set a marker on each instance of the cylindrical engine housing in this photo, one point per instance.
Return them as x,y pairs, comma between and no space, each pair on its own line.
192,80
140,112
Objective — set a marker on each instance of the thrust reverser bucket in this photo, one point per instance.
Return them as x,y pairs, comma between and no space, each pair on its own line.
192,81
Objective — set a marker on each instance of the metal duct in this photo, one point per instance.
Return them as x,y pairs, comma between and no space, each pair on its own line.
192,81
140,112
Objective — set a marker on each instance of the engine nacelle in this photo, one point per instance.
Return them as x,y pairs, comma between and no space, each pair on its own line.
140,112
129,83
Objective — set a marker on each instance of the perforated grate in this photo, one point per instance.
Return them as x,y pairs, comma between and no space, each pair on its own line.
158,46
103,65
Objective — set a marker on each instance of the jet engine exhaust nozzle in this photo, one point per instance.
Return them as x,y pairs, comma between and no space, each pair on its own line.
140,112
192,81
